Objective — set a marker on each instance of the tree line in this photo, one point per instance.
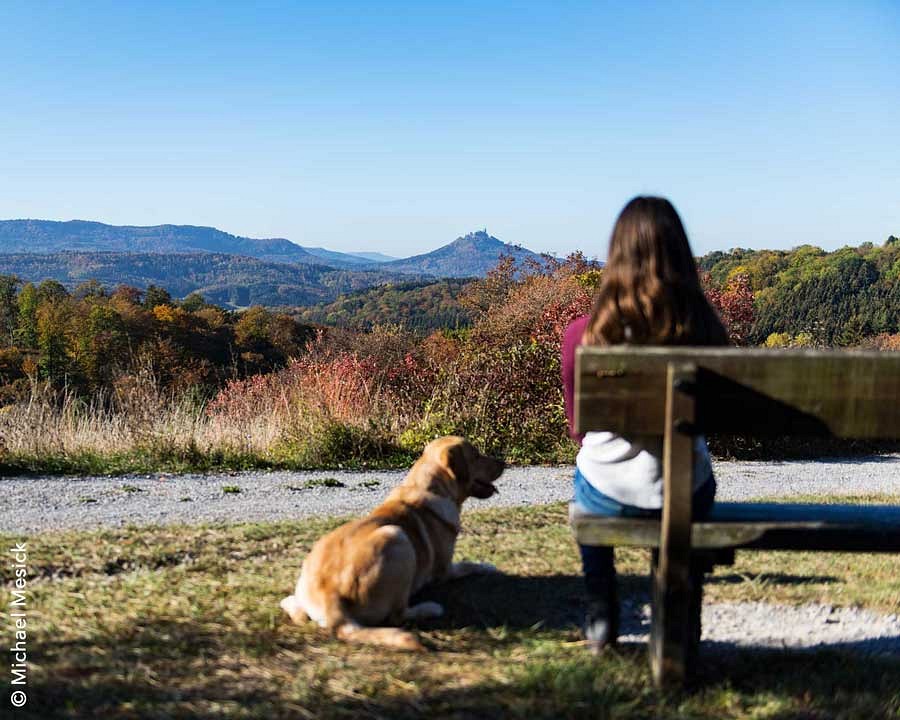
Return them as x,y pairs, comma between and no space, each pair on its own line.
92,338
837,298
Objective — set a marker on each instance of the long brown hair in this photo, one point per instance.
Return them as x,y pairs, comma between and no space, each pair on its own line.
650,292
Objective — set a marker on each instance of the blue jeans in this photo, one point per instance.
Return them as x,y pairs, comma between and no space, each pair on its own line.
592,501
597,561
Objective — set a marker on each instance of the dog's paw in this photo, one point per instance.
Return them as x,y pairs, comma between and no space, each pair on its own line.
485,569
423,611
292,608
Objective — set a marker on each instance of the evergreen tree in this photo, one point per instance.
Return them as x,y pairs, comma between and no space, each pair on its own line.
156,296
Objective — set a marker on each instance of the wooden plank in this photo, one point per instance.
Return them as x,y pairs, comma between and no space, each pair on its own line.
770,526
671,627
743,391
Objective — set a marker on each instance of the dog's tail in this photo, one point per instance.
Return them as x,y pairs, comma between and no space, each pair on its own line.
385,636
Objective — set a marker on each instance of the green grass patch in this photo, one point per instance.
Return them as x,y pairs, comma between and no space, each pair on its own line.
231,489
184,622
137,461
328,482
168,459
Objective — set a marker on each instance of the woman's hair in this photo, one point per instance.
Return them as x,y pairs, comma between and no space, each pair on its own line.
650,291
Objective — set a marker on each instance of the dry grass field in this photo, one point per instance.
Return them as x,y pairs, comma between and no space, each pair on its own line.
183,622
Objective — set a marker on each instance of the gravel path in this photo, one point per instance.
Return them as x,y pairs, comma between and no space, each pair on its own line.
30,504
729,625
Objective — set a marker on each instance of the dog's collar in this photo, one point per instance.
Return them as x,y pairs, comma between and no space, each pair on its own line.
446,519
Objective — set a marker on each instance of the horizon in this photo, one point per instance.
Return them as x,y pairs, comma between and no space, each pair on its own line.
352,128
361,253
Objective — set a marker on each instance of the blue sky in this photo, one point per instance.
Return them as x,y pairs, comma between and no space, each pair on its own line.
399,126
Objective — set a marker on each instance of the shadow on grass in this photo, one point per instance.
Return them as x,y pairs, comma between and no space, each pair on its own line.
141,673
771,578
144,676
184,669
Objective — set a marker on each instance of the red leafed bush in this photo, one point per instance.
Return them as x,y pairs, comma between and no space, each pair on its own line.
250,397
557,316
735,306
341,387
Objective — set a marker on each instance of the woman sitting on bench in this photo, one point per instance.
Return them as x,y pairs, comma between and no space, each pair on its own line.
650,294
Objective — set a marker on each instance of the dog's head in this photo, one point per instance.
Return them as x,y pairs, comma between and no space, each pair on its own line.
471,473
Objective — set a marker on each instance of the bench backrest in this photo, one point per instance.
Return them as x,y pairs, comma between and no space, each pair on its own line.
742,391
678,392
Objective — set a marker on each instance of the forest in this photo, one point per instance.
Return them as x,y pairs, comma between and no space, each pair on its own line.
420,306
116,380
93,341
809,296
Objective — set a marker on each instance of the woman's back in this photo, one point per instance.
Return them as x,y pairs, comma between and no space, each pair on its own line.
628,470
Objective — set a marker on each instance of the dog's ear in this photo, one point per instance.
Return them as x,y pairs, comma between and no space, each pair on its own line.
457,460
452,455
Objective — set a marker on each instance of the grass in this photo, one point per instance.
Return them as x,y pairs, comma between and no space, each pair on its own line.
328,482
184,622
149,432
154,458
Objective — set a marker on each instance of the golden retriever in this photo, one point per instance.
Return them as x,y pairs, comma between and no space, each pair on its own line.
359,578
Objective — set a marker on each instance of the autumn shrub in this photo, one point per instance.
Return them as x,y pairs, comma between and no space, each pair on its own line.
884,341
344,402
786,340
734,301
499,383
385,393
505,399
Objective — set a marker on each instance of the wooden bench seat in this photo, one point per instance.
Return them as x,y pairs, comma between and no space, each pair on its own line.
760,526
677,393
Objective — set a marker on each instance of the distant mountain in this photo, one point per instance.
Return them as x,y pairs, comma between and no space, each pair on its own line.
374,256
230,280
469,256
49,236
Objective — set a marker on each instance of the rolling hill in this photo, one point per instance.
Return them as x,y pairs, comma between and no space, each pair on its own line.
230,280
234,270
50,236
471,255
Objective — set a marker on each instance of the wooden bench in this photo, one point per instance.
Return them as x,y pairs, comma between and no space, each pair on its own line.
677,393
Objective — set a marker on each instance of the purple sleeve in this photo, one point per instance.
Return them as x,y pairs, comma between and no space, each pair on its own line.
571,340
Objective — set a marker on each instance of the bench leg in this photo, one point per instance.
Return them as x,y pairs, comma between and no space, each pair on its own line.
675,625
